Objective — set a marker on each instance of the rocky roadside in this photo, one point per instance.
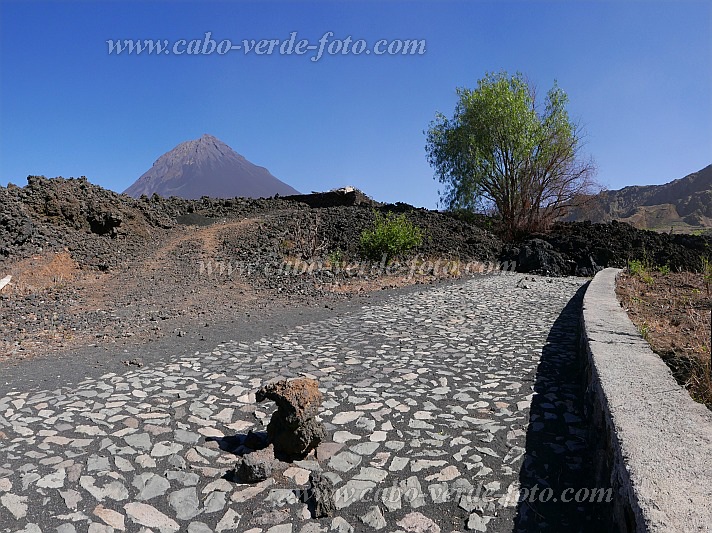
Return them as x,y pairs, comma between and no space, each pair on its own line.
93,268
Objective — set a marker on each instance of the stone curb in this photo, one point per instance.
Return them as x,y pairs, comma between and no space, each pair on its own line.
656,441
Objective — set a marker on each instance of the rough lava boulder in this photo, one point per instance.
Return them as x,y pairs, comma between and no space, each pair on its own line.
294,429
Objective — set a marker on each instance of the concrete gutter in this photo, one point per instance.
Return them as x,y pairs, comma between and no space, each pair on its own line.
4,281
657,441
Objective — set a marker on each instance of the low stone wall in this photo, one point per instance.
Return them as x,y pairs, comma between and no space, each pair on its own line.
656,442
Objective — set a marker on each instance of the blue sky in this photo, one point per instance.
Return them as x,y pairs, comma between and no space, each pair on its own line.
638,75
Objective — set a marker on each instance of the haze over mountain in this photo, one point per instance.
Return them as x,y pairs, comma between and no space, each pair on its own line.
684,204
207,167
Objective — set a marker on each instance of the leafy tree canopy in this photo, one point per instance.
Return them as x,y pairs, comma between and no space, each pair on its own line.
503,152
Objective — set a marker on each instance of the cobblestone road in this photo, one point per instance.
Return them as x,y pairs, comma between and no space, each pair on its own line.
439,406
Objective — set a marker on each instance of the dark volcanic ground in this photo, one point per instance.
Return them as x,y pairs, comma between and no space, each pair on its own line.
91,267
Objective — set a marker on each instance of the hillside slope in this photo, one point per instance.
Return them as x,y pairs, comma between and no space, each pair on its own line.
207,167
91,266
684,204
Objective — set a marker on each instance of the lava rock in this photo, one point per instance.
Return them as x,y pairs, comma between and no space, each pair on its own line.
321,495
538,256
586,267
293,428
256,466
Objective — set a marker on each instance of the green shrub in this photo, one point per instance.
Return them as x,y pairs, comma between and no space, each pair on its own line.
645,331
393,235
336,257
636,267
640,269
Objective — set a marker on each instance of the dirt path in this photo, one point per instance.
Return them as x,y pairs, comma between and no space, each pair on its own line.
56,304
207,236
161,289
168,273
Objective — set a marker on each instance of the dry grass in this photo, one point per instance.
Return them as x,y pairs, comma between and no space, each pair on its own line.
41,273
672,312
305,238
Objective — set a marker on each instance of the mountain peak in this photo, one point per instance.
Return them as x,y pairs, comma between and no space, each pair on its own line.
207,167
208,140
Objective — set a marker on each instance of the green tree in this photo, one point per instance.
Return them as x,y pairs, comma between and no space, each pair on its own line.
503,153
